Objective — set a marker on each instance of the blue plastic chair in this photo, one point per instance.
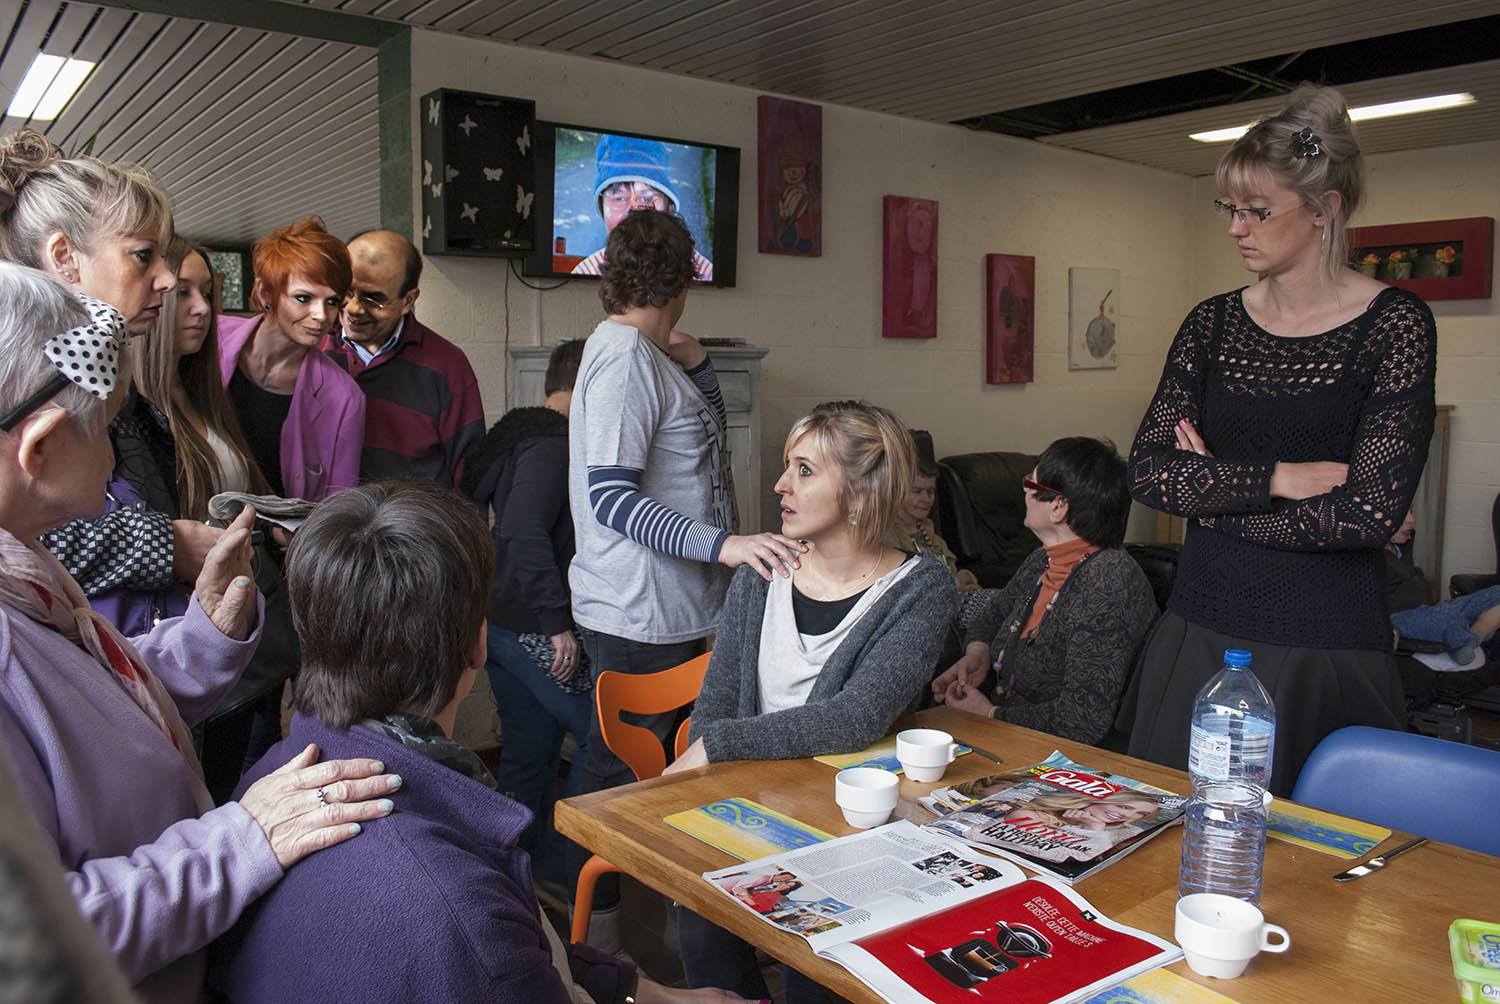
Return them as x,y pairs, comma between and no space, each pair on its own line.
1430,787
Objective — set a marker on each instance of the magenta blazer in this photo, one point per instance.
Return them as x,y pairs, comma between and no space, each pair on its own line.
324,431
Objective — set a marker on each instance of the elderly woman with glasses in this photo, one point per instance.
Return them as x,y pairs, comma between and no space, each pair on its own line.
1053,651
1290,427
95,725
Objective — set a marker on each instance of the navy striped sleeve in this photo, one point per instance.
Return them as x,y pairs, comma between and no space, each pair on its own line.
706,379
615,497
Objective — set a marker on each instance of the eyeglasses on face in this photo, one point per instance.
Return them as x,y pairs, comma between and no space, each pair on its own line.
372,302
635,194
1246,214
1039,490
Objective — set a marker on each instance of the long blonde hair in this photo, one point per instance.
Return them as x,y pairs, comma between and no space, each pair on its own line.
190,392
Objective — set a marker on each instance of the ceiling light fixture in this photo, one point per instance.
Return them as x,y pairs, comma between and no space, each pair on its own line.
47,87
1409,107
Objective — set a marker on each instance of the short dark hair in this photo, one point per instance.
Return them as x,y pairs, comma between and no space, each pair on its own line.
1090,474
926,468
648,261
562,366
389,584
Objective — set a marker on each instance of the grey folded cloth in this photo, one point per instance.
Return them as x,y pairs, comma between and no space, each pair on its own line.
288,513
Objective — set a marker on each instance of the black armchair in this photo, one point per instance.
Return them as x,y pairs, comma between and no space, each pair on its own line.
981,513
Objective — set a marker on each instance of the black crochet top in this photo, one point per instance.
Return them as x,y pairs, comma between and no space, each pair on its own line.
1304,573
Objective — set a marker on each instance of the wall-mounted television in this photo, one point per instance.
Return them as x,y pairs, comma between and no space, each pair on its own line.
588,178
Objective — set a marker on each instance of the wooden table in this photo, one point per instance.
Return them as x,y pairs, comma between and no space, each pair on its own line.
1382,937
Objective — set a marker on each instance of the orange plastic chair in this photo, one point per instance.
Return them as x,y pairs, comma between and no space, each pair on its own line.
638,747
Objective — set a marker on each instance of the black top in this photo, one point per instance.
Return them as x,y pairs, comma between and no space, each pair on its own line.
262,413
520,470
1302,573
817,617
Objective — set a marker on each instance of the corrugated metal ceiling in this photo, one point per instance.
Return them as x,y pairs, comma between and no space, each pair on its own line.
249,128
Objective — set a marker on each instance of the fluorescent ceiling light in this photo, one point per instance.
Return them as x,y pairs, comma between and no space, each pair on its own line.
48,85
1408,107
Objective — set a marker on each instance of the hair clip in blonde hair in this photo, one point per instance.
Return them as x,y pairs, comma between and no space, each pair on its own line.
1306,144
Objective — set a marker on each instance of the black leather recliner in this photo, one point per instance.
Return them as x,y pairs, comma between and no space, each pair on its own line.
981,514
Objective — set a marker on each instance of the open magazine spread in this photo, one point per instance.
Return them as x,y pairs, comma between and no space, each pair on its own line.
919,917
1056,816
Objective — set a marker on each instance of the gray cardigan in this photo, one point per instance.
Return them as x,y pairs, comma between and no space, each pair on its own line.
1068,681
874,675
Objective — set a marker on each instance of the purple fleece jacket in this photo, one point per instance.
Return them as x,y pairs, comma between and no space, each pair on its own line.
431,903
118,802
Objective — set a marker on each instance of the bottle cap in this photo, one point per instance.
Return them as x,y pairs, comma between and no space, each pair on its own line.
1236,657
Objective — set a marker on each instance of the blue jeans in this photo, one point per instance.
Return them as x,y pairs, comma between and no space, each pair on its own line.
1447,622
534,715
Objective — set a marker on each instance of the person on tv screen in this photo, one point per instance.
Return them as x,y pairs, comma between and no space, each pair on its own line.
634,174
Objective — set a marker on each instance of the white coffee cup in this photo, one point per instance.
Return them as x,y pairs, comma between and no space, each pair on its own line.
1219,934
925,753
867,795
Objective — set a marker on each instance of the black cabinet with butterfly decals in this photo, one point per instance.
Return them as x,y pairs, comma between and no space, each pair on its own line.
478,174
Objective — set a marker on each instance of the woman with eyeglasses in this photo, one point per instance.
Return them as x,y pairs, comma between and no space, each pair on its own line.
1054,648
303,416
1290,428
95,724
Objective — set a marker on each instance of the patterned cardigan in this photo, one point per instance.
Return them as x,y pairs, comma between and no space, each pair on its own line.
1068,679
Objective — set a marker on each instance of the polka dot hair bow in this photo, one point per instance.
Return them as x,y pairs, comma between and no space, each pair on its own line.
89,356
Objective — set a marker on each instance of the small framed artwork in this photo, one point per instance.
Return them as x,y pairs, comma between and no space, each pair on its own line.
1010,313
790,153
1437,260
909,268
232,278
1093,306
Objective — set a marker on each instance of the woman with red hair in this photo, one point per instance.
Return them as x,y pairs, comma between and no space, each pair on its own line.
303,417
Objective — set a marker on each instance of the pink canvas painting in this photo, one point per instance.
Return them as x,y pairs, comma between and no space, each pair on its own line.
909,269
1010,298
790,154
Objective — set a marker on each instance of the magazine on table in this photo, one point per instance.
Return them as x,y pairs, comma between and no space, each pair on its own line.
919,917
1056,816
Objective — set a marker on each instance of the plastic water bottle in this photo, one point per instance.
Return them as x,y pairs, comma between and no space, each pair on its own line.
1229,758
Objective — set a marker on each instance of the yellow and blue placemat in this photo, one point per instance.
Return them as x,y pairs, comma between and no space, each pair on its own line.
882,755
1159,987
746,829
1323,831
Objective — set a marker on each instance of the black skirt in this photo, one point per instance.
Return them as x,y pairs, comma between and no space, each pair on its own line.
1316,691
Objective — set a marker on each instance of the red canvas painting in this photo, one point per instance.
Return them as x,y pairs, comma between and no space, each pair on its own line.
909,269
790,154
1010,316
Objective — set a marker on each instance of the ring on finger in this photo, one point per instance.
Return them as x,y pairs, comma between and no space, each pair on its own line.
322,799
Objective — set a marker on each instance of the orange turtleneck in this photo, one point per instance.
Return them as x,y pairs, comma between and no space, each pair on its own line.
1061,560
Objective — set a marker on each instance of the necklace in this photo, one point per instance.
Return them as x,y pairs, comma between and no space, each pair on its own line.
848,587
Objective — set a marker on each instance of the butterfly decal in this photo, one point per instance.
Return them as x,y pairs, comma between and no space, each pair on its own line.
470,213
524,140
426,172
432,111
437,189
427,228
468,125
451,172
493,173
523,202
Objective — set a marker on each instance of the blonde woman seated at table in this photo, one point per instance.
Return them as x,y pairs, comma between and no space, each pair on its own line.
1055,649
825,660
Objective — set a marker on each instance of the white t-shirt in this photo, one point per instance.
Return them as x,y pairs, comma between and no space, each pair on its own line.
790,661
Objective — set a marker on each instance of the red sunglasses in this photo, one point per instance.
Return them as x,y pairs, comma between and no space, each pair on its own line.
1040,490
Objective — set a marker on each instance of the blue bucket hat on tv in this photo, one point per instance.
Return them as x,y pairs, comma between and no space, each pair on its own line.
629,158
